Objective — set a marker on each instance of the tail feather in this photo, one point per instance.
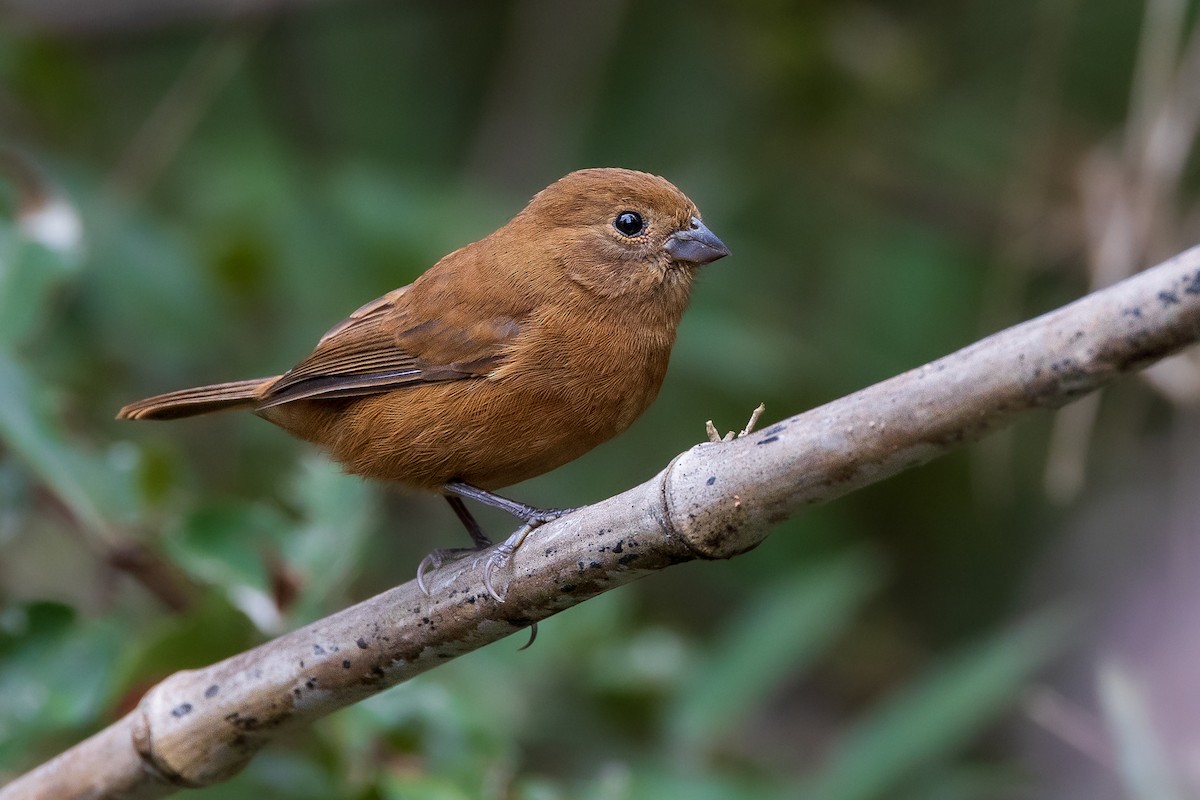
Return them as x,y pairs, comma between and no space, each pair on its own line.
200,400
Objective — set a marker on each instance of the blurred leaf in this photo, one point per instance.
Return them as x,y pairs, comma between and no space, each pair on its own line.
276,772
149,289
1143,761
937,716
29,274
959,781
89,487
613,783
771,641
226,544
241,548
55,672
417,786
15,499
210,631
649,660
539,788
457,723
338,514
650,783
235,547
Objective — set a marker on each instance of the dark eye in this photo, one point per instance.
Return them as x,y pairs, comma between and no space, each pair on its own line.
629,223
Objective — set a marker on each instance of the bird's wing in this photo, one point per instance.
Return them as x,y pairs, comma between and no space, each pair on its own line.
384,346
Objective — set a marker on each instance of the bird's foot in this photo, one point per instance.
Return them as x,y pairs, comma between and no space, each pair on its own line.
502,555
437,558
532,516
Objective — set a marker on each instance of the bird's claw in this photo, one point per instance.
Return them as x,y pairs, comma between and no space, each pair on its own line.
500,557
502,554
436,559
431,561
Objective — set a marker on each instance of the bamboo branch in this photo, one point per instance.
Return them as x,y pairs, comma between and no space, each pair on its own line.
715,500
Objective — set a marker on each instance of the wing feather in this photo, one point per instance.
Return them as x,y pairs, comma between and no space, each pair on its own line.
382,347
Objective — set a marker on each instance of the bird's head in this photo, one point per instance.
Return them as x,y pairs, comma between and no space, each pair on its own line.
621,233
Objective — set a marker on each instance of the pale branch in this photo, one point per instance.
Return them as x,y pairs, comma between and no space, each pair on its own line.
715,500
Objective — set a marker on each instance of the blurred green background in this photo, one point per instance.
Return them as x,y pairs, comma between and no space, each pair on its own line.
194,191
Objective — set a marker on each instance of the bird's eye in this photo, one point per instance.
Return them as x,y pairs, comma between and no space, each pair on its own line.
629,223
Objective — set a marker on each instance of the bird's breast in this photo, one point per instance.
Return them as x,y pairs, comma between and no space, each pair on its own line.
602,381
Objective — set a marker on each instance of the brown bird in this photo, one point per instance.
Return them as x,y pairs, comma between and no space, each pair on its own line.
509,357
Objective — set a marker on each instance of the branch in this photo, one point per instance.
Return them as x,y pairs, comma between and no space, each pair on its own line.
716,500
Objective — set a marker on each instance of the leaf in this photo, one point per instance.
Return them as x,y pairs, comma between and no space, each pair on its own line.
651,784
774,639
210,631
418,786
277,773
326,548
55,673
89,487
224,544
939,713
29,274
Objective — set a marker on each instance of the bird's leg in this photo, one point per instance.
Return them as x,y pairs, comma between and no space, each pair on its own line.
533,517
530,515
464,516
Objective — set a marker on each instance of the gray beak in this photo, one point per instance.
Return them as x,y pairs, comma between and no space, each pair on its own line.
695,245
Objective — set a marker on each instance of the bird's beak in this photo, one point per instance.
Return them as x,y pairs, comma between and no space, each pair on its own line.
695,244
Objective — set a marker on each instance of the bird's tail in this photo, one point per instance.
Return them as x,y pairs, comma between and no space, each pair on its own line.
200,400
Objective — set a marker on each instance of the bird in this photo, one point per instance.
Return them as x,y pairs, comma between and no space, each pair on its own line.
506,359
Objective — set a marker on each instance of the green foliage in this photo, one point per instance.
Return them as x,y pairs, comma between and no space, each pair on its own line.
783,631
886,199
927,722
56,675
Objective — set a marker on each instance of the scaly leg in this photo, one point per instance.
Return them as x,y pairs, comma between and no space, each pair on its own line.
532,517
